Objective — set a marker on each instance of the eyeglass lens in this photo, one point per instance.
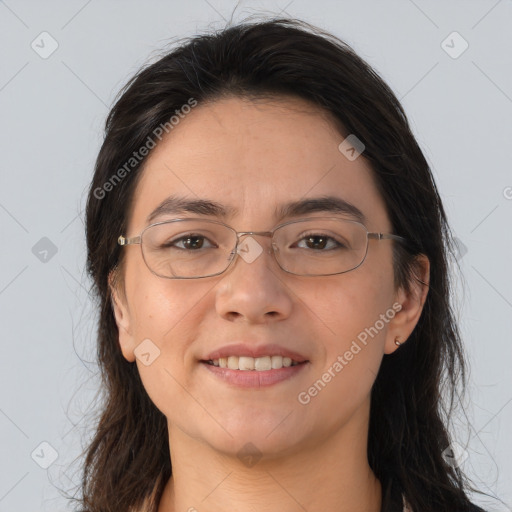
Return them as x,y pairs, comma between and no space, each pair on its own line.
197,248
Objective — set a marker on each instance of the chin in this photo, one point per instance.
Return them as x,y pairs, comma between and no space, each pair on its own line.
271,434
254,447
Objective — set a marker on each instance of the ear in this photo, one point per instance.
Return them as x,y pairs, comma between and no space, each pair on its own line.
412,302
122,316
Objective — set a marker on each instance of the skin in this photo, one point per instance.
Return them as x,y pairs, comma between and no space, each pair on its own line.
314,457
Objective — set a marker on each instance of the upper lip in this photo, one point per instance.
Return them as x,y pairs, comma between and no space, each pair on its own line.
244,350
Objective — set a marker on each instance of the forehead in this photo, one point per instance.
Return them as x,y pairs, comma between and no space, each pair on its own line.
254,156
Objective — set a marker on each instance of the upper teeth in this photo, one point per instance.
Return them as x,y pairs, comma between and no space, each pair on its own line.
253,363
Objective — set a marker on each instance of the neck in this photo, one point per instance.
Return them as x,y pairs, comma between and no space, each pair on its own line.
331,474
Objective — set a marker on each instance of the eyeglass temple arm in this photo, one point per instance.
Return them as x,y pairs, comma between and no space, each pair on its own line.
386,236
378,236
128,241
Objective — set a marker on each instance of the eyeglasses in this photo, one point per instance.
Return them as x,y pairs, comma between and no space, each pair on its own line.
195,248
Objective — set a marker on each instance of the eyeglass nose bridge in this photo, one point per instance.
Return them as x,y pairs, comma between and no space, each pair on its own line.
259,233
273,250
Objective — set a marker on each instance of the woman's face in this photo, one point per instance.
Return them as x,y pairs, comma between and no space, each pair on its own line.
255,157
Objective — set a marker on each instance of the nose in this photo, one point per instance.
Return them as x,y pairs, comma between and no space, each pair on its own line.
253,288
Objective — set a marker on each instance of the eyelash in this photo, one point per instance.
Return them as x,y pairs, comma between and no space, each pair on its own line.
302,237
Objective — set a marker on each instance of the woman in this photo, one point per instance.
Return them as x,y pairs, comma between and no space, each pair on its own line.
270,254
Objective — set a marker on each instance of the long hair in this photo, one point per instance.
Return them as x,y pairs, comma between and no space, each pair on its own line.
127,462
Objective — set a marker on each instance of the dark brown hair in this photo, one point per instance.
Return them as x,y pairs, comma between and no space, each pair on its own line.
128,461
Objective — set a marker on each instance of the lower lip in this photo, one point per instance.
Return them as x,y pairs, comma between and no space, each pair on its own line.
255,378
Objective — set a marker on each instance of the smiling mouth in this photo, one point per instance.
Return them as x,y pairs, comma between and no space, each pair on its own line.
244,363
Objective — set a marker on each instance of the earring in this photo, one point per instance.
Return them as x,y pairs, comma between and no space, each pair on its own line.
396,341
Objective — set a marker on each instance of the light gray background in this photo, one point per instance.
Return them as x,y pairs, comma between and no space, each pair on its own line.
52,115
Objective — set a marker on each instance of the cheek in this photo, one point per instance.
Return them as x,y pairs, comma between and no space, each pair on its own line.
350,302
155,305
164,328
353,348
166,317
356,309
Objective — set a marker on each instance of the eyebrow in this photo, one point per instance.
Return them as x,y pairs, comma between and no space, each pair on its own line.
325,204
